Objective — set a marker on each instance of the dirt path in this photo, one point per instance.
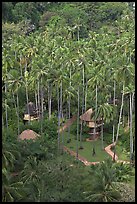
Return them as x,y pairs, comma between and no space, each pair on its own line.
82,159
68,123
109,151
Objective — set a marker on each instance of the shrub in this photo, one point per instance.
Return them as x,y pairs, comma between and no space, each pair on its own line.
123,172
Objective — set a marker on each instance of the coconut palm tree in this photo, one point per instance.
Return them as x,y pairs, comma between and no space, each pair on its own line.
103,188
15,84
105,112
130,91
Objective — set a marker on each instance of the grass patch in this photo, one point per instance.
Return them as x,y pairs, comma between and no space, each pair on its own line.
88,148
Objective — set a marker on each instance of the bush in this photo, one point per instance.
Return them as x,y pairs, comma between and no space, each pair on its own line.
123,172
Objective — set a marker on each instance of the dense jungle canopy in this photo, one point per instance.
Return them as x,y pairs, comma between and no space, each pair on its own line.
64,58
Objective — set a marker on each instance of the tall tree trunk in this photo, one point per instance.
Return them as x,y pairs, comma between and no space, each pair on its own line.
131,135
77,127
18,112
83,97
39,99
120,114
128,122
102,142
123,122
15,108
86,88
95,116
95,110
21,69
27,98
61,113
6,110
36,102
69,105
41,90
133,101
114,106
58,94
49,99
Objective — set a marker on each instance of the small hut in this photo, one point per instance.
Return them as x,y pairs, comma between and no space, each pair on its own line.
88,118
28,134
30,112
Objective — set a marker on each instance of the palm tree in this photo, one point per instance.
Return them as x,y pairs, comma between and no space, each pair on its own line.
104,112
103,185
130,90
15,83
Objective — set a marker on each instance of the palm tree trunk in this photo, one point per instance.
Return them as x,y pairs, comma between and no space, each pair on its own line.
133,101
128,122
21,69
69,118
38,99
96,109
86,88
41,90
61,113
15,107
18,112
120,114
102,142
131,135
123,119
113,117
27,98
58,117
82,108
95,116
77,127
49,101
69,105
6,110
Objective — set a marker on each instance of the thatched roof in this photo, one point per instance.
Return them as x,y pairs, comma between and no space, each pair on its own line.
87,115
28,134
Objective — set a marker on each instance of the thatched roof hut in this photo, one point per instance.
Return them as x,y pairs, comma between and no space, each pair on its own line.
87,115
88,118
28,134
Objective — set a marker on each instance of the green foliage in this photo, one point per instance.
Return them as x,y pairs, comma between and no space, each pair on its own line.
124,172
45,18
93,35
26,11
7,11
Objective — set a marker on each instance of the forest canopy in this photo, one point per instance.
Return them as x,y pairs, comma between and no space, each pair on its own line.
63,59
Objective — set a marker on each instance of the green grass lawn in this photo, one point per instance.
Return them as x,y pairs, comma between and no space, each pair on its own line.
88,148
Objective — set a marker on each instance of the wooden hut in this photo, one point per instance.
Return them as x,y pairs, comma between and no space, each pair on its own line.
30,112
88,118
